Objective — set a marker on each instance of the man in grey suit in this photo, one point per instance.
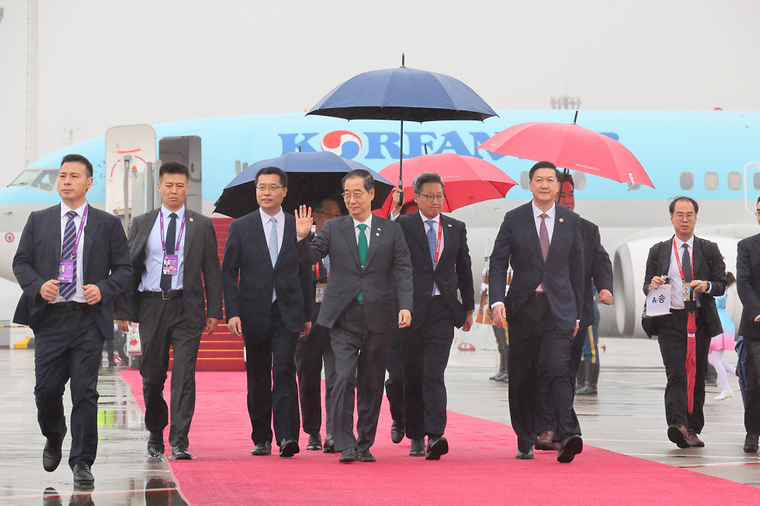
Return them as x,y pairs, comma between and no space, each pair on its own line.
370,271
174,257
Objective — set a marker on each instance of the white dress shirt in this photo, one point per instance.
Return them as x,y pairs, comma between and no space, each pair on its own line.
79,294
549,222
674,275
154,253
367,231
280,217
436,227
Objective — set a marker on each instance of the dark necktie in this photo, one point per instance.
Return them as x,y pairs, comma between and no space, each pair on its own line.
686,265
69,236
171,237
363,247
543,235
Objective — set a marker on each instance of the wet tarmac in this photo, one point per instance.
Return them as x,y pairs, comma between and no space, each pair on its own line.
626,417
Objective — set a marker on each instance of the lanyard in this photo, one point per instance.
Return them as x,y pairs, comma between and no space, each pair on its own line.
179,238
678,261
79,233
438,243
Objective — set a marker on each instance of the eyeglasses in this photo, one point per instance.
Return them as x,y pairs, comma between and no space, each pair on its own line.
357,195
688,216
329,215
431,198
271,188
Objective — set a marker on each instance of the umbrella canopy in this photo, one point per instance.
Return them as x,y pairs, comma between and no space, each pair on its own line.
403,94
572,147
467,179
311,177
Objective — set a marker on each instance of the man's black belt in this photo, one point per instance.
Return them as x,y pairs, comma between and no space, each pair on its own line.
171,295
63,307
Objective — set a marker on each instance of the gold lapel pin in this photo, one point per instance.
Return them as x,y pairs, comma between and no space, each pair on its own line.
191,219
561,220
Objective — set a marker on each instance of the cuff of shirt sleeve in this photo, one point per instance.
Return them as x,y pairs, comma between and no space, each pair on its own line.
496,304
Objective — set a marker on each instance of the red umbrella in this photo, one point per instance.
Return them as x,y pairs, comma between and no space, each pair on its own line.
572,147
691,359
467,179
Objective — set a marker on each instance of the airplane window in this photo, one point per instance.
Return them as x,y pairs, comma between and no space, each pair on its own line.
25,178
46,180
580,180
711,181
524,180
757,180
687,180
734,181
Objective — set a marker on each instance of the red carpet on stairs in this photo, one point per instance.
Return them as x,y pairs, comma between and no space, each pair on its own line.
479,469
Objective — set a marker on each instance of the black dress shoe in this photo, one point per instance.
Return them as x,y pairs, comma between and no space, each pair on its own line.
348,455
436,447
156,445
288,447
397,431
525,455
181,453
315,442
51,497
571,446
263,448
51,455
82,474
418,448
365,456
750,443
678,434
329,444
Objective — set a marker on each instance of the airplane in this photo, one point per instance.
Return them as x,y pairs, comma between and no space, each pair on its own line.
711,156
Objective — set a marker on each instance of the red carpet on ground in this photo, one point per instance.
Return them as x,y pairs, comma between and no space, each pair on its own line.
479,469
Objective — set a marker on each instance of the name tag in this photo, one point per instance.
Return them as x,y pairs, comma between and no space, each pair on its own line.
687,293
658,301
66,271
171,263
320,292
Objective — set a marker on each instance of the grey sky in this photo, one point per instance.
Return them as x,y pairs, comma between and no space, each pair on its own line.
105,62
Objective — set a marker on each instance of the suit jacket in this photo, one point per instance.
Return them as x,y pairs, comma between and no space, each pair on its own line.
708,266
517,242
105,263
246,256
201,269
454,271
748,285
597,269
387,269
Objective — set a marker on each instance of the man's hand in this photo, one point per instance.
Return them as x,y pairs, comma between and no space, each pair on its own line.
499,315
468,322
303,221
306,329
605,297
124,325
49,290
699,286
656,282
575,331
397,201
211,324
404,318
91,294
235,327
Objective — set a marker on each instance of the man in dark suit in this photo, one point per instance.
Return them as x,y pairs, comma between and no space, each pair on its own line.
267,294
315,347
693,267
543,243
597,272
170,304
748,286
442,272
370,272
72,262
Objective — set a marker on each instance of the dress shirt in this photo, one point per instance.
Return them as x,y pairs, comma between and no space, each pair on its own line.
280,217
549,222
79,294
436,227
154,253
367,231
674,275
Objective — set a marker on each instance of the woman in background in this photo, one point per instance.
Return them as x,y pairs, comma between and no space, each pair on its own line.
723,342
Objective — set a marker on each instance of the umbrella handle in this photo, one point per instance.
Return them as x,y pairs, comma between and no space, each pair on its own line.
401,192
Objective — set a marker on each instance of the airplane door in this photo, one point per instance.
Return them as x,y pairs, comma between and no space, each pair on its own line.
187,150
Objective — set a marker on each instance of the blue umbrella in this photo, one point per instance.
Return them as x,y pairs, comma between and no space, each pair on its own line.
403,94
311,177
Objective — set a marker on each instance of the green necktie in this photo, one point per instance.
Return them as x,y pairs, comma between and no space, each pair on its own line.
363,247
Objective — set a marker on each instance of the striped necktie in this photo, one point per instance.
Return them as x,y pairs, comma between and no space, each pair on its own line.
69,236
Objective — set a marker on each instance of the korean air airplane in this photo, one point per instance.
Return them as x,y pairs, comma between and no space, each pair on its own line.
712,156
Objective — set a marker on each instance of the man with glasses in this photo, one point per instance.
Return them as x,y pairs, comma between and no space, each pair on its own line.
442,274
267,294
748,286
370,272
315,347
695,271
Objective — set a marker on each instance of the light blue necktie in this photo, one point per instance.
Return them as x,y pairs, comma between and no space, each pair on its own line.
431,238
273,248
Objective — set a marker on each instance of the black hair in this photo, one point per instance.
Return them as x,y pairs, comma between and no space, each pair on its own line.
369,181
730,279
273,170
569,178
426,177
683,198
78,158
544,165
174,168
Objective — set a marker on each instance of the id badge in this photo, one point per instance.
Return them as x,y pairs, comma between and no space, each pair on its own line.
171,263
687,293
320,293
66,271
